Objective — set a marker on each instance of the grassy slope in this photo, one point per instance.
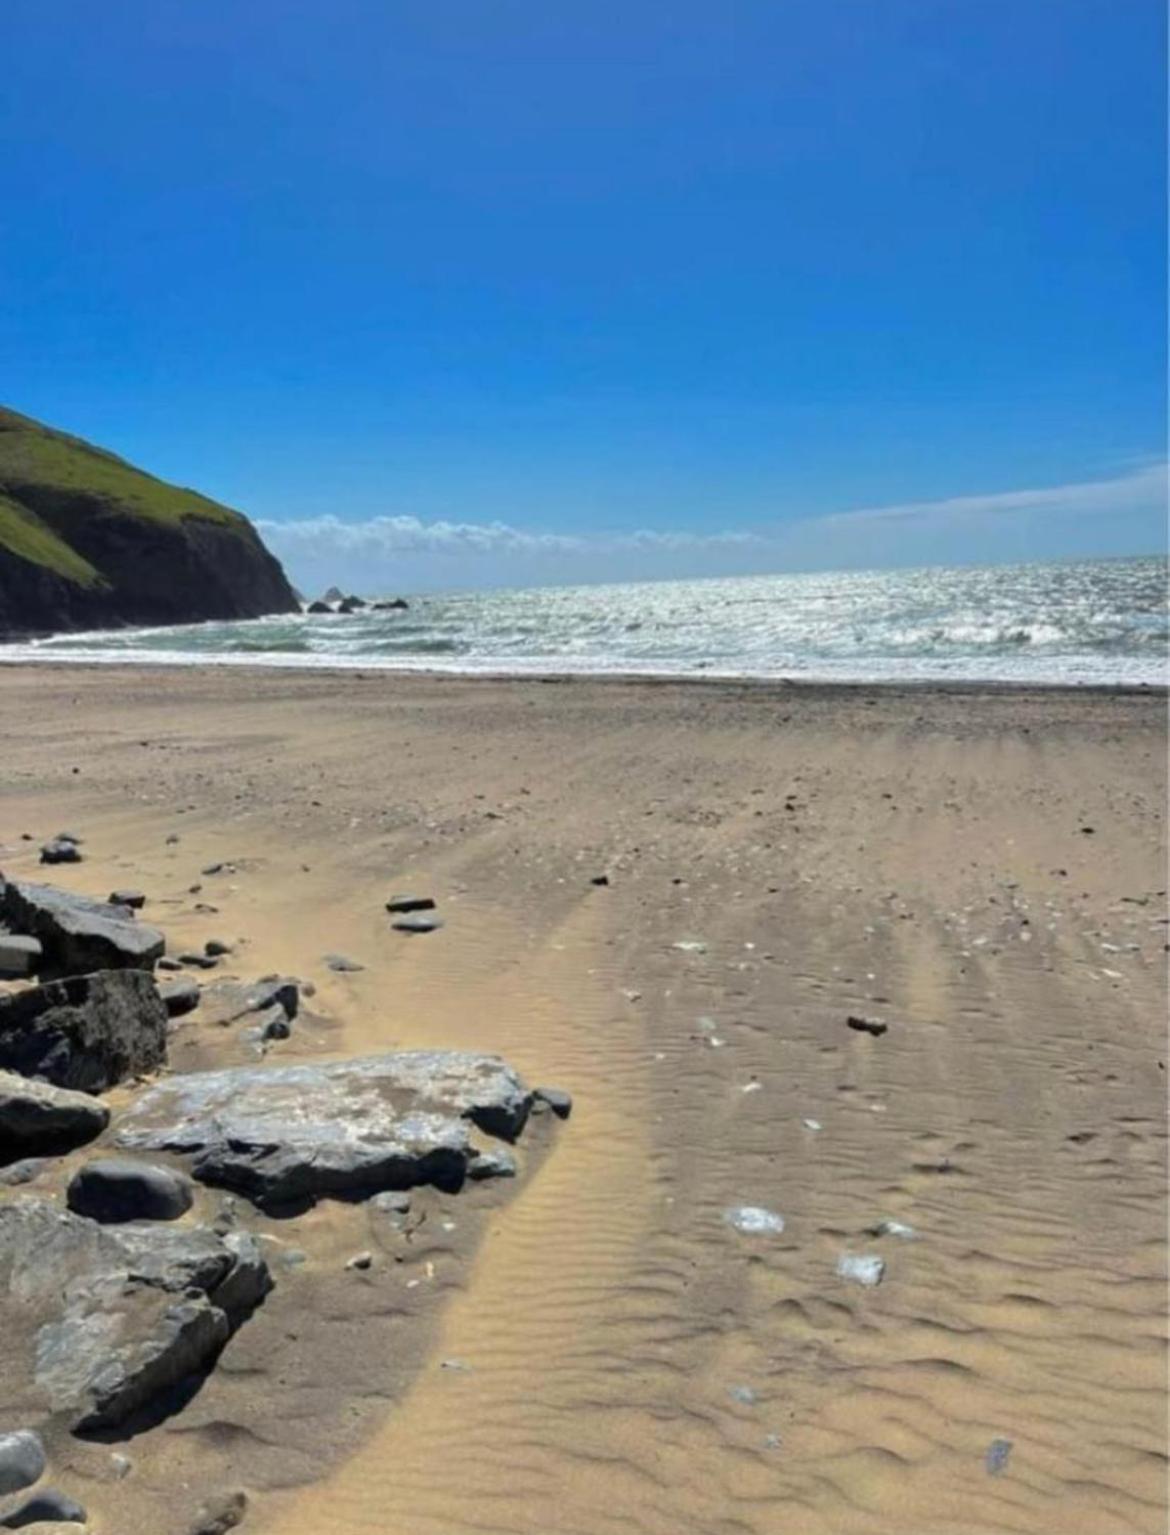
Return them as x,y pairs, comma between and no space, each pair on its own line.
23,533
36,455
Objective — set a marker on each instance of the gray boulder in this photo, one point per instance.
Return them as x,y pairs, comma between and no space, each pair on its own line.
79,934
319,607
555,1098
119,1189
179,997
291,1132
20,954
87,1031
60,850
405,903
103,1321
44,1508
37,1117
417,922
497,1163
22,1460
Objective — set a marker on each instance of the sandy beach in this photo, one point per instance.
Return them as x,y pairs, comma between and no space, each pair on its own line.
597,1350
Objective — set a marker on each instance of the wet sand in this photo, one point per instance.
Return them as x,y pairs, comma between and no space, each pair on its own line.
980,870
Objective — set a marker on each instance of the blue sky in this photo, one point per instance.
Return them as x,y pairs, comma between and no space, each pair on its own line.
497,290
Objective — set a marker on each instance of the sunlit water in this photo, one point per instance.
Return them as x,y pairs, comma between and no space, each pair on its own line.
1098,621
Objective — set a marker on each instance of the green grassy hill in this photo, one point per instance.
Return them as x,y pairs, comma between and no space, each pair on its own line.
88,540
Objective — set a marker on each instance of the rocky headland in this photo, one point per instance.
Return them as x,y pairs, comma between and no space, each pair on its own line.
87,541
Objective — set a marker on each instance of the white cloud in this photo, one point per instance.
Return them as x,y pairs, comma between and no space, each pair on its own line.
410,535
1124,514
1136,491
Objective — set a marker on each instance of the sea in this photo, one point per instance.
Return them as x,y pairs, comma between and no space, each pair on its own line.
1088,622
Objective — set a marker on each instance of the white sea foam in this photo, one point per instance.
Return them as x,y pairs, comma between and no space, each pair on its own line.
1089,622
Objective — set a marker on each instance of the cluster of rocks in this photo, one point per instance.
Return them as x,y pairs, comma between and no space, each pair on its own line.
115,1306
22,1465
335,601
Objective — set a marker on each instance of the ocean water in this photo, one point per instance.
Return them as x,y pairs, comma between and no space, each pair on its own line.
1093,621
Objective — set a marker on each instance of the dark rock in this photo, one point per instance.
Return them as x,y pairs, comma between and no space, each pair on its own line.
226,1002
115,1189
58,851
351,605
179,997
499,1163
79,934
404,903
168,962
20,954
344,966
45,1507
290,1132
196,961
320,607
600,879
417,922
363,1260
557,1099
37,1117
274,1023
22,1460
102,1321
87,1032
220,1514
867,1026
134,900
215,948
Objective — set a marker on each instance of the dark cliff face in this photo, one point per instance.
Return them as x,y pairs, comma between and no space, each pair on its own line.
125,549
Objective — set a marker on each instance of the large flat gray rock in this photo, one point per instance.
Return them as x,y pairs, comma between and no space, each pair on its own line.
77,933
282,1133
37,1117
101,1322
87,1031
